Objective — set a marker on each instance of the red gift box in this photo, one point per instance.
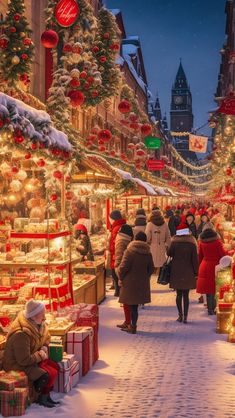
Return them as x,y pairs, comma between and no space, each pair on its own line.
12,380
91,322
14,402
224,289
68,374
78,343
225,307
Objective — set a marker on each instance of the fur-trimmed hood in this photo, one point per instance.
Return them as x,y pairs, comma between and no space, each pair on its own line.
209,235
184,238
139,247
157,219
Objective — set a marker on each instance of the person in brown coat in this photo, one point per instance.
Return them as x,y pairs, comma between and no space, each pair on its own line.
184,268
27,350
134,275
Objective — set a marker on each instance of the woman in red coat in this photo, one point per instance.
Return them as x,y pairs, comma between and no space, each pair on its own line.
210,252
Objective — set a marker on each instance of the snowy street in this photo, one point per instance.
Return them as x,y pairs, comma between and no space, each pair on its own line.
166,370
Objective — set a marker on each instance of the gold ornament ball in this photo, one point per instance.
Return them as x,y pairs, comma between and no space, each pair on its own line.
22,34
15,60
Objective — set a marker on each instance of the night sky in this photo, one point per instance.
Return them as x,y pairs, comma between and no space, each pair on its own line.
169,29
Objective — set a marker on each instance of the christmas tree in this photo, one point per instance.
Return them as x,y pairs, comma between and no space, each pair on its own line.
17,49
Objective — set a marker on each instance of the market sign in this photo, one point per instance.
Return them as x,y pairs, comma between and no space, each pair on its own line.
152,142
66,12
155,165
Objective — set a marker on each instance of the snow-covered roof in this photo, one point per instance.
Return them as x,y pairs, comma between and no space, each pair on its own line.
147,186
124,174
127,51
33,123
115,11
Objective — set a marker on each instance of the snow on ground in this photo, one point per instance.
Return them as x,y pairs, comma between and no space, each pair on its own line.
166,370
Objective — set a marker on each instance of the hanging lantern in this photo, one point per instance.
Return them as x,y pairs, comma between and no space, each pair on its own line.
49,39
77,98
146,129
105,135
124,106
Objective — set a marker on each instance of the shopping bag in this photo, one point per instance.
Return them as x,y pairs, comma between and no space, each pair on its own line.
165,272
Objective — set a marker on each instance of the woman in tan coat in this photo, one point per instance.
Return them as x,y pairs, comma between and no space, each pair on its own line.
27,350
159,238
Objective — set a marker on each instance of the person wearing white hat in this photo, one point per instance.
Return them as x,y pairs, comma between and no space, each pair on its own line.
26,350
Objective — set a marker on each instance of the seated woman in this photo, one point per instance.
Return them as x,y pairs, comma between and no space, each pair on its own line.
27,350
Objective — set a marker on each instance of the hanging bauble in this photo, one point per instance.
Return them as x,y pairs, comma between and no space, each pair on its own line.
102,59
90,79
31,185
105,135
133,117
13,198
112,153
14,169
12,29
23,77
146,129
57,174
28,156
15,185
22,34
27,41
34,146
74,82
75,73
91,138
94,93
106,35
16,17
67,48
24,57
15,60
83,75
124,106
21,175
77,98
86,85
135,126
19,138
102,148
228,171
77,48
3,43
131,145
41,162
100,142
95,49
114,47
53,197
97,81
49,39
69,195
140,153
67,179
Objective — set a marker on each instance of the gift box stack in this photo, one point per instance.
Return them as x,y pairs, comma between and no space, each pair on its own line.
89,317
68,374
13,393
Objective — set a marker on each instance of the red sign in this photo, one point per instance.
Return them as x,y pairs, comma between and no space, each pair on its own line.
155,165
66,12
227,105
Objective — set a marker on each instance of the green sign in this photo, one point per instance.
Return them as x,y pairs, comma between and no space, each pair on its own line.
152,142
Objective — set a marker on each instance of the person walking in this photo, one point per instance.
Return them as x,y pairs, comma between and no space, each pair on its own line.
184,268
116,221
210,251
27,350
190,222
124,237
159,239
204,223
174,221
140,221
134,274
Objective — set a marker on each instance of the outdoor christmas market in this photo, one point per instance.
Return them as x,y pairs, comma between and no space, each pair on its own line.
117,208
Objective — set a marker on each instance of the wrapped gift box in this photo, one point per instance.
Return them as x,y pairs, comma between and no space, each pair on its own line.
68,375
78,343
12,380
90,321
56,352
13,402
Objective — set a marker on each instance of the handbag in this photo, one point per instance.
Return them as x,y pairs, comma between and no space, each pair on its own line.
165,272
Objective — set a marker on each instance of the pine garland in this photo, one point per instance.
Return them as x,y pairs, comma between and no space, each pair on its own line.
17,48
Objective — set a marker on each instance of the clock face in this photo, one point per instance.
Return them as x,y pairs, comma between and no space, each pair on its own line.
178,100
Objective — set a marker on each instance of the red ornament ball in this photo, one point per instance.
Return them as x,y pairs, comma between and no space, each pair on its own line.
17,17
95,49
146,129
27,41
23,77
103,59
34,146
12,29
24,57
19,139
106,35
94,94
77,98
74,82
41,162
58,175
114,47
134,126
67,48
14,170
104,135
49,39
53,197
90,79
228,171
83,74
86,85
124,106
3,43
67,179
69,195
102,149
28,156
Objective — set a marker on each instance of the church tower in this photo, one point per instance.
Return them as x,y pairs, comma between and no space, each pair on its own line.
181,103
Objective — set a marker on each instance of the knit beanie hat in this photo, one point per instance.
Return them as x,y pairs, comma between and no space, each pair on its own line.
32,308
115,215
127,230
140,212
141,236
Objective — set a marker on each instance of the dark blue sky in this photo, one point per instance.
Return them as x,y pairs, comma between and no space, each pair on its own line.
170,29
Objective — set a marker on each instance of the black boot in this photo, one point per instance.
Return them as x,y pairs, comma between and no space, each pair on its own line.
185,320
40,383
180,318
43,401
52,401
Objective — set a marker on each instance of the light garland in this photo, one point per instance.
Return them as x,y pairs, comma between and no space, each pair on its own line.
179,133
185,177
193,167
